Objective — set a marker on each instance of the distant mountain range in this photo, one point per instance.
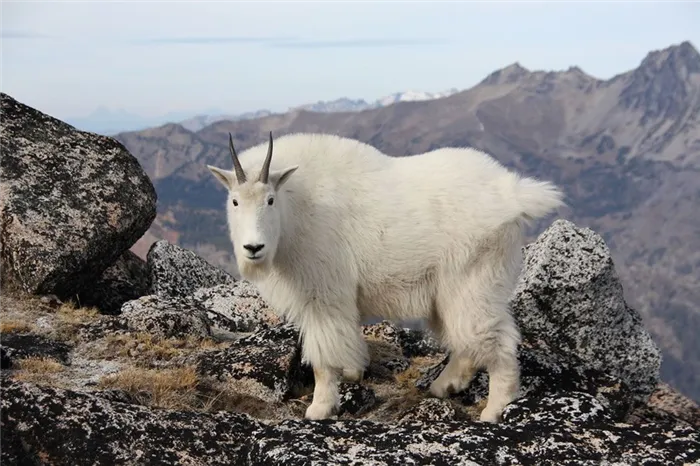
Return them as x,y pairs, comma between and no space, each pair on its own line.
625,150
110,122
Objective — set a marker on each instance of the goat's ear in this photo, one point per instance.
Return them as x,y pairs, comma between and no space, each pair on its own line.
227,178
278,178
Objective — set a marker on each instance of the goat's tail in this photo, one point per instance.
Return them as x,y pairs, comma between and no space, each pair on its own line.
537,198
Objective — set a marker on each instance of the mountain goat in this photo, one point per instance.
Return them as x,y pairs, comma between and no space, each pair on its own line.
332,231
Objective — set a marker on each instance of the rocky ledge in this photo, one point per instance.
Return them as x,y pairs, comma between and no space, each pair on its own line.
172,361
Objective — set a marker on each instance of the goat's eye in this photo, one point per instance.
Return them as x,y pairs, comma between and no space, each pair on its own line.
271,201
235,203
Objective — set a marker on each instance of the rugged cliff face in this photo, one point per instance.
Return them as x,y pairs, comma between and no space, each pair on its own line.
176,361
625,150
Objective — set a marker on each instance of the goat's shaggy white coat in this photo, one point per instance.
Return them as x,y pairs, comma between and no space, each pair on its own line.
352,233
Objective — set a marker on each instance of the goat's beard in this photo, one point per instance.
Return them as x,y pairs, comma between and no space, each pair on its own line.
250,270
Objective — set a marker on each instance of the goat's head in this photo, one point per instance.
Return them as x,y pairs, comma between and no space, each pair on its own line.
254,208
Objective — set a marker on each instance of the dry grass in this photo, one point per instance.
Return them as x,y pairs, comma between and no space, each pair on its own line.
37,369
181,389
145,349
69,318
15,326
165,388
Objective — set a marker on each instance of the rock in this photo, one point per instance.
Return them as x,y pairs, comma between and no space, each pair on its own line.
576,407
71,202
116,396
237,307
127,279
430,410
570,299
416,343
100,328
412,342
63,427
166,317
355,398
668,400
545,374
104,432
20,346
266,365
177,272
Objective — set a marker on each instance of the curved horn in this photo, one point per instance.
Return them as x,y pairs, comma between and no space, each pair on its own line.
240,174
265,172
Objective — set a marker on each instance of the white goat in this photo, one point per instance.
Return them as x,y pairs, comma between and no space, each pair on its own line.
332,231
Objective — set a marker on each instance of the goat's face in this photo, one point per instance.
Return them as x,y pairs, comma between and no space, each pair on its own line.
254,210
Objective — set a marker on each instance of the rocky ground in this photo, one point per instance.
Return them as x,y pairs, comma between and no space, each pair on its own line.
173,361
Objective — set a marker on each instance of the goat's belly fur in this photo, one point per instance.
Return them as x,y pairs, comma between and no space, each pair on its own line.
396,299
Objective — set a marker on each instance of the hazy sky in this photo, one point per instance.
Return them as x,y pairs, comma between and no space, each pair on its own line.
68,58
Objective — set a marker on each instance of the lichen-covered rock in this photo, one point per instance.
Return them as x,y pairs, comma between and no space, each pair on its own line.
576,407
667,400
237,307
416,342
178,272
71,202
102,327
42,425
570,299
544,374
30,345
266,365
355,398
412,342
125,280
166,317
49,426
430,410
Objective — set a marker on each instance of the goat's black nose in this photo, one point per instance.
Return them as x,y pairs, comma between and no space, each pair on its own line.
253,247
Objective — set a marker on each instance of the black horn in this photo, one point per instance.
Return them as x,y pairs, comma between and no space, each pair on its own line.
265,172
240,174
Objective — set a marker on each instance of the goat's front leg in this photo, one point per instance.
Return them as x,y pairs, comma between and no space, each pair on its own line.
326,398
333,344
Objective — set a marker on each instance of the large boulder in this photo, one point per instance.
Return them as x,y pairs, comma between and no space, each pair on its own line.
71,202
569,299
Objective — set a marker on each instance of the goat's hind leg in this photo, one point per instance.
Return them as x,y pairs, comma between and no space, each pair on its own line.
481,333
455,377
504,381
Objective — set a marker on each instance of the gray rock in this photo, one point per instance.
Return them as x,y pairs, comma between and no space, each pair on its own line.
266,365
576,407
355,398
237,307
175,271
62,427
71,202
166,317
570,299
412,342
430,410
125,280
72,428
19,346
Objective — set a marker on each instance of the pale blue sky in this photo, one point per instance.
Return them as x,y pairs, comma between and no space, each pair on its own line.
150,58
